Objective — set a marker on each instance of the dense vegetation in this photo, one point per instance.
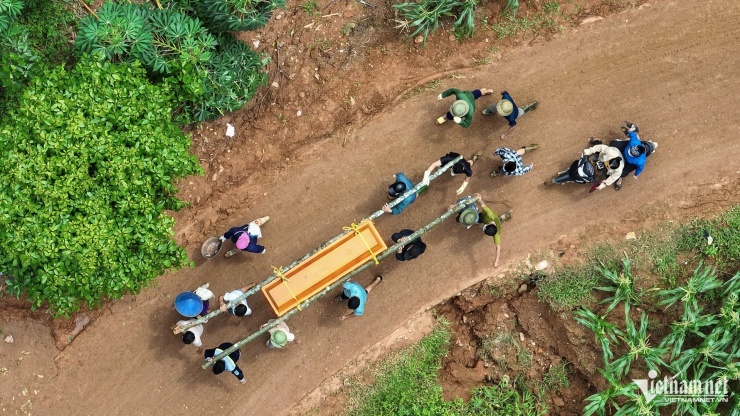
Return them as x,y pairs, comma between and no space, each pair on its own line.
90,149
686,275
85,184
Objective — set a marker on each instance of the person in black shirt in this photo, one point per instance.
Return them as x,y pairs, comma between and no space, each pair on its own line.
462,166
410,251
226,363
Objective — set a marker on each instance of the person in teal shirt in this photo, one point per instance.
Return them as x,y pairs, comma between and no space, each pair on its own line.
356,295
397,189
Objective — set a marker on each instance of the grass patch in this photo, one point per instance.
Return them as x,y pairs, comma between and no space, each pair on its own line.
406,384
511,25
428,87
556,377
311,7
482,61
569,287
662,252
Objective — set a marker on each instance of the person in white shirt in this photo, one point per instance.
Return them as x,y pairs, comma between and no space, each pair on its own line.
192,335
240,309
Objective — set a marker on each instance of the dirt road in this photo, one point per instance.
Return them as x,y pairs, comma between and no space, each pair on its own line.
671,67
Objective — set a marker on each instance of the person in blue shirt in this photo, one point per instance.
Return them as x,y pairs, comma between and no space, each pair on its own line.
397,189
505,108
356,296
635,152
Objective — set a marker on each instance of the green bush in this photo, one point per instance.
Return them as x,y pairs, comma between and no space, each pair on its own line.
9,11
90,162
17,59
212,76
223,16
425,15
234,75
39,35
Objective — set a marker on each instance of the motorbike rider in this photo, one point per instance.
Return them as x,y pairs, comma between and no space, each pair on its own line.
634,151
611,159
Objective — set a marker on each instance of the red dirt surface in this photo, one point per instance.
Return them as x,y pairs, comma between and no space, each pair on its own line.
668,66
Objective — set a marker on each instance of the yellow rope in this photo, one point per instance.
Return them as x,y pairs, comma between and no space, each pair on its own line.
279,273
356,228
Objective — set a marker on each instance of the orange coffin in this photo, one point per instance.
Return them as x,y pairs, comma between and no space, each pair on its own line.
324,268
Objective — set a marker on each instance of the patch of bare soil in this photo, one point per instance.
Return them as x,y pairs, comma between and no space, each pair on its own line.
333,69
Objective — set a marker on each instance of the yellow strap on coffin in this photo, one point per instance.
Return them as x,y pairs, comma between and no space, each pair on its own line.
279,273
356,228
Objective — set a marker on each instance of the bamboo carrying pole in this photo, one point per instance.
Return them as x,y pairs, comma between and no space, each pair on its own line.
391,250
255,289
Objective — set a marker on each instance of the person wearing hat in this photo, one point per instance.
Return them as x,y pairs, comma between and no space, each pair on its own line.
633,151
398,188
411,250
356,296
508,110
463,108
279,335
471,215
226,363
241,308
512,161
462,166
245,237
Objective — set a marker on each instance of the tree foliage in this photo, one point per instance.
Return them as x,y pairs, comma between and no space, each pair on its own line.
90,161
212,76
236,15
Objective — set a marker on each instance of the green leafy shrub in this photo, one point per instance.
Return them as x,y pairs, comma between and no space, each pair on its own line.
90,162
17,59
234,75
38,36
236,15
424,16
212,76
9,11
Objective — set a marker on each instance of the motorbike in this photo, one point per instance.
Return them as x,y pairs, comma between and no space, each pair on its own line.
588,169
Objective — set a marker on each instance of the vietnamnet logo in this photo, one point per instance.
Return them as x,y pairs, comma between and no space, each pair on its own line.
673,390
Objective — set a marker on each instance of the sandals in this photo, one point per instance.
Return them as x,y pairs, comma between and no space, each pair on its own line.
618,185
476,156
379,277
594,141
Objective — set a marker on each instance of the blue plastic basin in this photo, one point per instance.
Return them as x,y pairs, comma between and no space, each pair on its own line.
188,304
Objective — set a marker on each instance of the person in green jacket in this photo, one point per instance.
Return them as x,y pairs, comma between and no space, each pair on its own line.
462,110
472,215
